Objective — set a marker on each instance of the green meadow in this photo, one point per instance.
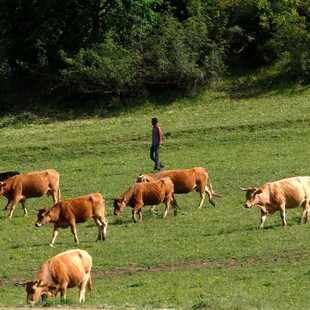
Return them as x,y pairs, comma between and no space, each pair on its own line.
211,258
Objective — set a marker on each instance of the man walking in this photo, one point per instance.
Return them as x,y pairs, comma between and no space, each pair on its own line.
157,139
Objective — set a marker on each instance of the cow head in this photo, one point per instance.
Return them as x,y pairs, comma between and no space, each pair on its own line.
143,178
36,289
252,196
43,217
119,204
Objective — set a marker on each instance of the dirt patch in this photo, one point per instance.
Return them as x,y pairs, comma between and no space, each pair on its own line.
232,262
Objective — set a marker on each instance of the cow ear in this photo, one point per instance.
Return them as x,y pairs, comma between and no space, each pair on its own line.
257,191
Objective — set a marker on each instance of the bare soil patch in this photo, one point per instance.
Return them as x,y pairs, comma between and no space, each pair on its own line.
232,262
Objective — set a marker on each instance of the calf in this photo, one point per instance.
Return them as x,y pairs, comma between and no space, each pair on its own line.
140,194
66,270
277,196
76,210
185,181
29,185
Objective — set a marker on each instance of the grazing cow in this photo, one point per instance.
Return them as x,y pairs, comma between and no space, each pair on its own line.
278,196
29,185
8,174
76,210
140,194
185,181
66,270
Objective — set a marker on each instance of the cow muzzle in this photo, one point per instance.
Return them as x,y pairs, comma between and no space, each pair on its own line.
248,206
38,224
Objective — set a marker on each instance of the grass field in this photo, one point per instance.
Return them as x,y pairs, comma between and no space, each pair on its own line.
212,258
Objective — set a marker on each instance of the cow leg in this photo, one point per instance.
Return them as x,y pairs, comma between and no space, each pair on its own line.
152,209
167,203
105,229
99,225
263,218
7,205
73,230
307,212
23,202
102,225
55,234
82,287
140,214
136,209
55,195
63,292
282,214
202,199
13,206
208,191
304,212
174,205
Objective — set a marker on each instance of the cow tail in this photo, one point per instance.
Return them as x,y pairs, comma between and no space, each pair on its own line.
89,284
212,191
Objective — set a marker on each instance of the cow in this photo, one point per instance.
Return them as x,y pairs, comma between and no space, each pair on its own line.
8,174
66,270
151,193
72,211
186,181
278,196
20,187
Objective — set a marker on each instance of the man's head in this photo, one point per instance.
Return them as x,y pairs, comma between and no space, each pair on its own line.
154,121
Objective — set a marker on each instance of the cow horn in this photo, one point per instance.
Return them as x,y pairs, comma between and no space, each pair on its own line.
243,188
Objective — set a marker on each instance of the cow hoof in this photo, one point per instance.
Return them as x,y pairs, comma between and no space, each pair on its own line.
51,245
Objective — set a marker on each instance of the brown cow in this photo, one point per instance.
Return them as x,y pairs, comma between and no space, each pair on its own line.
185,181
66,270
75,210
277,196
29,185
140,194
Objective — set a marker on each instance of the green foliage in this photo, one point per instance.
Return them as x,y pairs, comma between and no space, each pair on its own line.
99,50
108,68
290,40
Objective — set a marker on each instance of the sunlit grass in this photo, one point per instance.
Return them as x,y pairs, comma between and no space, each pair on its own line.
210,258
